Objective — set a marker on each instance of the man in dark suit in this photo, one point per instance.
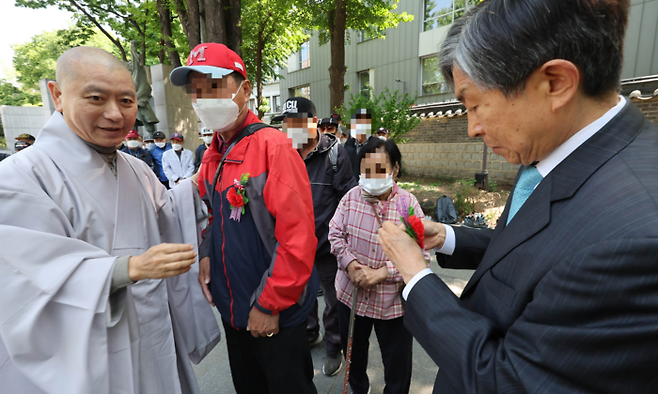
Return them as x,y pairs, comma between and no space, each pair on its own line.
564,298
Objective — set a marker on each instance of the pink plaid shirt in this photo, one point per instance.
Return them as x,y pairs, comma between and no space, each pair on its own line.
353,236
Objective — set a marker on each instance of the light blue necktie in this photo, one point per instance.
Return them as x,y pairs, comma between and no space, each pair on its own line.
528,180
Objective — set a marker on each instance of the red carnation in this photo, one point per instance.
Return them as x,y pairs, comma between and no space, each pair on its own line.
419,230
235,199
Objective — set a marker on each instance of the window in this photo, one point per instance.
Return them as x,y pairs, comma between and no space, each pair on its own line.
275,104
301,91
305,55
444,12
252,104
365,88
432,80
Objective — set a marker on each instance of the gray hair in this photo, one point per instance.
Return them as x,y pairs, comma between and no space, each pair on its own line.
500,43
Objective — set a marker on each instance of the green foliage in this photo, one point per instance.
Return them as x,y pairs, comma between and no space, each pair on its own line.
372,17
464,194
120,23
390,110
11,95
37,58
275,28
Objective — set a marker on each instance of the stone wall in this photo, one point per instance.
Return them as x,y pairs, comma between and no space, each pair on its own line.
441,148
454,160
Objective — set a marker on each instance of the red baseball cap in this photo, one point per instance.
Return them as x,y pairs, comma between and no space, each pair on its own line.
209,58
132,134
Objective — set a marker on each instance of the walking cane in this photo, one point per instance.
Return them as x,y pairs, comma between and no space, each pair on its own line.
350,339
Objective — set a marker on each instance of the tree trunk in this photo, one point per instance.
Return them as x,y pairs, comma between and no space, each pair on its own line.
233,25
259,73
337,69
188,13
165,25
161,54
213,16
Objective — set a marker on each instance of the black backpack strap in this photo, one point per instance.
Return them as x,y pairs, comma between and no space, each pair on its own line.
246,131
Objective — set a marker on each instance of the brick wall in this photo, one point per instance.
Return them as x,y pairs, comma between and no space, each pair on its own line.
441,148
648,107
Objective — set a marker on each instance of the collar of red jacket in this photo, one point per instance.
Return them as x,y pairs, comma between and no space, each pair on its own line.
212,153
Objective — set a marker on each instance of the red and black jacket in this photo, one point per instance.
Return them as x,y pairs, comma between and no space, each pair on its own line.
265,260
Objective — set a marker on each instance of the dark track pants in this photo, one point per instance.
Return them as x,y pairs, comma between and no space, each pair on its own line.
281,364
395,343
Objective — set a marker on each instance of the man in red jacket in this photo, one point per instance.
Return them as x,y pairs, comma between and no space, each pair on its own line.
257,252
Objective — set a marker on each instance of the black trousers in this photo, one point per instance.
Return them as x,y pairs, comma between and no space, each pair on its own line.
281,364
395,343
327,272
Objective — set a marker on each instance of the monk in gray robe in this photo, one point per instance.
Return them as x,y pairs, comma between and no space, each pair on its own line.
98,270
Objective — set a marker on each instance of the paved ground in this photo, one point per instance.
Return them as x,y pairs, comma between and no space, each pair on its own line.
214,374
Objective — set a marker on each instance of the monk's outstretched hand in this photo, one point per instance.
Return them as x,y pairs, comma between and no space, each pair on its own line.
162,261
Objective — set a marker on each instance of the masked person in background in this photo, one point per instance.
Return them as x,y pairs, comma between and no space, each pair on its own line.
178,162
329,171
134,148
257,251
161,146
363,264
361,126
148,142
206,137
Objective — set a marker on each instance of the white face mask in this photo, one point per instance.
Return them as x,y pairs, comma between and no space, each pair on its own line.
134,144
298,135
207,139
376,186
381,137
149,145
343,141
218,114
176,146
160,144
361,128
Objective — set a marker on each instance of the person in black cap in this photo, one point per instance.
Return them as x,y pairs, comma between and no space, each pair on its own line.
329,126
161,146
330,173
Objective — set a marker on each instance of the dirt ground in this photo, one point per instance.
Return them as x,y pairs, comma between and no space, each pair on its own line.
428,190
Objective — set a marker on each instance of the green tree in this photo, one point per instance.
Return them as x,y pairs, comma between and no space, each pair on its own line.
332,19
272,30
37,58
11,95
389,109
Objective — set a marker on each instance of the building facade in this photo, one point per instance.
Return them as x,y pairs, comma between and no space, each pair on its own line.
406,59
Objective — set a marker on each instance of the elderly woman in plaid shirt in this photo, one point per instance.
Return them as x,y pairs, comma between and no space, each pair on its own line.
363,264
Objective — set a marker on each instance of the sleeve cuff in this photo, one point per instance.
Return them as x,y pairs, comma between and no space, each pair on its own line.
448,247
120,277
413,281
345,259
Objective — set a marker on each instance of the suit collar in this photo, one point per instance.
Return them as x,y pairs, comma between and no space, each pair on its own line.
561,183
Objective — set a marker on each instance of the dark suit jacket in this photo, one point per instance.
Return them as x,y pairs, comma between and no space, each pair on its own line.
565,298
350,147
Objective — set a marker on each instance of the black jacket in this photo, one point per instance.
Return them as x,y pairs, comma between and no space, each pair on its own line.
328,187
350,147
198,156
139,153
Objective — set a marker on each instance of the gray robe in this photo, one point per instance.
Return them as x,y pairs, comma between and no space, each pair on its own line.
64,219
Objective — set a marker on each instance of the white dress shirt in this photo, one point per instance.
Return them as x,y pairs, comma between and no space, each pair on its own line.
544,167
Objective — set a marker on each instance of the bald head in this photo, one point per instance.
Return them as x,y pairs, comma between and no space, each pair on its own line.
95,94
76,60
